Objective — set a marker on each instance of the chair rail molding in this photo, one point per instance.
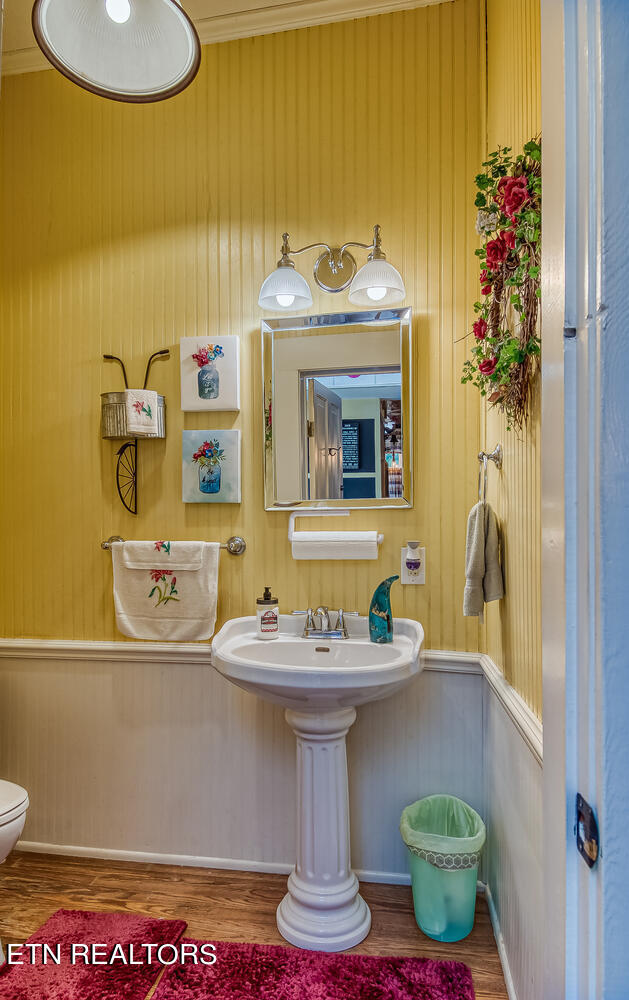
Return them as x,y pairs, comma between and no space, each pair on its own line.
177,653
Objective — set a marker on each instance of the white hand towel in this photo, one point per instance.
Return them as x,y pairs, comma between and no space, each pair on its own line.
483,572
141,408
335,545
173,555
159,593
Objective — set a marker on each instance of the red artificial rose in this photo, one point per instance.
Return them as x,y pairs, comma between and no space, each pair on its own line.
509,238
486,279
487,366
480,329
496,252
513,192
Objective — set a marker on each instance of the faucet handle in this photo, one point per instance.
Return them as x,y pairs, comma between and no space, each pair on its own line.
309,618
342,615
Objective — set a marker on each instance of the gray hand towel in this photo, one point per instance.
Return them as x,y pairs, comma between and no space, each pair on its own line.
483,573
493,586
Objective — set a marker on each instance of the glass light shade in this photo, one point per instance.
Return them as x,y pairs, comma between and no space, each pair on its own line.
285,288
128,50
384,281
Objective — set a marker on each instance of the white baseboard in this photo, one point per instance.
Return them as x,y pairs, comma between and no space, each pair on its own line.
502,951
192,861
148,857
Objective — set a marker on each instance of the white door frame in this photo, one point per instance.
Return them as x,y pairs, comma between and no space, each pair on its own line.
585,491
553,510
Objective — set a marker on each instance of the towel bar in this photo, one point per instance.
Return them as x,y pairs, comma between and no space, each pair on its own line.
235,545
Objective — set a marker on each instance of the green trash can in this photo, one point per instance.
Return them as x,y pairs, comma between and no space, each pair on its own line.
444,837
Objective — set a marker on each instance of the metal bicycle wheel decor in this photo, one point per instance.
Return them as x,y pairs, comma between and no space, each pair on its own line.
114,427
126,475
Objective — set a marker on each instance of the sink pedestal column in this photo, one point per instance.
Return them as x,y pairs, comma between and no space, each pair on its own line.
322,909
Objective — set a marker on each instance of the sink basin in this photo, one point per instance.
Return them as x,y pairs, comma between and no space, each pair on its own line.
317,674
320,682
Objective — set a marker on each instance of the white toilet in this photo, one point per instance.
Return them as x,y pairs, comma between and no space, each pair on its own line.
13,806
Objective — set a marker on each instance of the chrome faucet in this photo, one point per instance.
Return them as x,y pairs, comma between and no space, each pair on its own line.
323,615
324,631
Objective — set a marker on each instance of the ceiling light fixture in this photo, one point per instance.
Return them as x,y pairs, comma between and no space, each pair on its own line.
377,283
136,51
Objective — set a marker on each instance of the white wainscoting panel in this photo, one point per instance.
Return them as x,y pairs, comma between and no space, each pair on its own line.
426,739
164,758
514,851
143,752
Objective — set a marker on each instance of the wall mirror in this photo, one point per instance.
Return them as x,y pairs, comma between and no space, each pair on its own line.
338,410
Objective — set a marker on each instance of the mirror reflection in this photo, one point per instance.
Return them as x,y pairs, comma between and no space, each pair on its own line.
337,410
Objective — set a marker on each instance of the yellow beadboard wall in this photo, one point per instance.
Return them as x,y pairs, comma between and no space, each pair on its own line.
125,228
513,632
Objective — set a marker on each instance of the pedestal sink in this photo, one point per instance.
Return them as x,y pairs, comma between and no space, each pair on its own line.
320,682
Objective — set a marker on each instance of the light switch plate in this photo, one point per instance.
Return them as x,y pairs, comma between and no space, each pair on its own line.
419,577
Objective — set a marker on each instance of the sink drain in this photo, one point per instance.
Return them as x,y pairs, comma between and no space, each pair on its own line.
322,649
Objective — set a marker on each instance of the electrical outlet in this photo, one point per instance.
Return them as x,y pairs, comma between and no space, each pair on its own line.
420,575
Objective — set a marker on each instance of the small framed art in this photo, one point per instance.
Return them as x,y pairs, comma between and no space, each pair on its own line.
211,466
210,373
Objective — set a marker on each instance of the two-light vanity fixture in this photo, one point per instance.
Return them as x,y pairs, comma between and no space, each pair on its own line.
377,283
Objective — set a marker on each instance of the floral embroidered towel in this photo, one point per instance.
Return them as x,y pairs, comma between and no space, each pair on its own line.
176,555
141,407
166,590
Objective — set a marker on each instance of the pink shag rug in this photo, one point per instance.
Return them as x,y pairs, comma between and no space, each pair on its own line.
271,972
67,981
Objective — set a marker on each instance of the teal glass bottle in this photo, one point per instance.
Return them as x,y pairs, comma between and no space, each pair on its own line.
380,614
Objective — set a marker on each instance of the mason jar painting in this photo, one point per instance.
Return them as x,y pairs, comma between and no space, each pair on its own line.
208,379
209,457
208,382
210,373
211,466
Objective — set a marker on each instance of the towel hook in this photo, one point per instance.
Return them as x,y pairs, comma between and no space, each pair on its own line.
494,456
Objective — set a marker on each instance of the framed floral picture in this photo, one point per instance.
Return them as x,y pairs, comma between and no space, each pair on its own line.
211,466
210,373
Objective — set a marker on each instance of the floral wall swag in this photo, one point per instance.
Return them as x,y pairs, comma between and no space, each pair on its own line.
506,342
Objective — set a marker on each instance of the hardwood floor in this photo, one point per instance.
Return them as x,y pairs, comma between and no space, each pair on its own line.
221,905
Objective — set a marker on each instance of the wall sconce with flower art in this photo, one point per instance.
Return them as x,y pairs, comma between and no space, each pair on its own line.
377,283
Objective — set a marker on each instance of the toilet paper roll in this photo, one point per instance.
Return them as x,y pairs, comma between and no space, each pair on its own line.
335,545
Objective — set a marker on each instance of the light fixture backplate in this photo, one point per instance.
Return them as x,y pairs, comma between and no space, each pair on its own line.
334,271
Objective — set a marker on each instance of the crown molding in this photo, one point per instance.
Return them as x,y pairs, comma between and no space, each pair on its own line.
298,14
246,24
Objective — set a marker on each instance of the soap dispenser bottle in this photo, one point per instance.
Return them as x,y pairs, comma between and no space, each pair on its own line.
268,624
380,614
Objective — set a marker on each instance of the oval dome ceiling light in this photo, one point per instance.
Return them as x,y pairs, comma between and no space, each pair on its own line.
137,51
